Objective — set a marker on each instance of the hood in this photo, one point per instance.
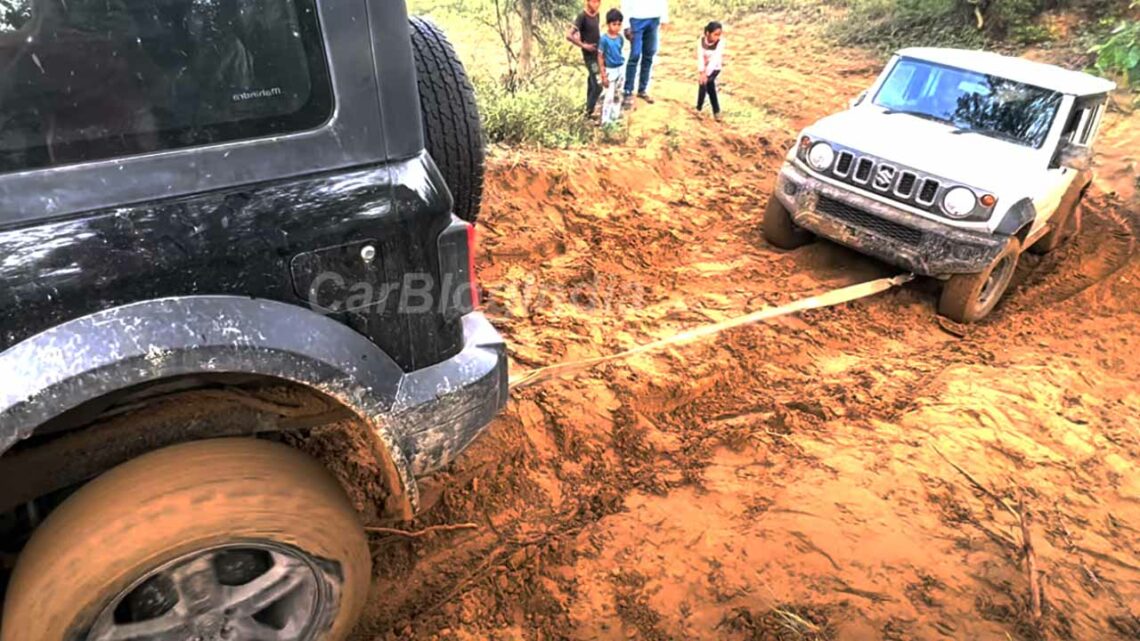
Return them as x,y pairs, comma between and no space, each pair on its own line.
970,159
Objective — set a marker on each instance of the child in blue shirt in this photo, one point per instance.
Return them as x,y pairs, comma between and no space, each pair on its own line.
612,61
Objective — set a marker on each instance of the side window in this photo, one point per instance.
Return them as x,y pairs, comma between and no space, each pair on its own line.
86,80
1069,133
1084,122
1091,123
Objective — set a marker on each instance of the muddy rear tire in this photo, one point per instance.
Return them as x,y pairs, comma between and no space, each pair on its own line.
779,228
453,131
193,540
968,298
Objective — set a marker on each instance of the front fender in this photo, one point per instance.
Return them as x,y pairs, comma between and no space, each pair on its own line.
1018,217
64,367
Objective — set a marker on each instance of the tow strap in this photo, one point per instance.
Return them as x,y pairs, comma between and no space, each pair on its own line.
828,299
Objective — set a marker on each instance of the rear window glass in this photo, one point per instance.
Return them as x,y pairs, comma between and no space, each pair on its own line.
84,80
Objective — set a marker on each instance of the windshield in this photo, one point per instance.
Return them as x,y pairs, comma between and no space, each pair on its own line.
971,102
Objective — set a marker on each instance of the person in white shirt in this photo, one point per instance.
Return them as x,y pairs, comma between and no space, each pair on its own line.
643,25
710,61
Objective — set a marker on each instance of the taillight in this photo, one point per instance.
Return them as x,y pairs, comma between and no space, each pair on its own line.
471,275
459,286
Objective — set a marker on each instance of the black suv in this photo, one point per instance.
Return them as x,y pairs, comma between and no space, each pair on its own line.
236,298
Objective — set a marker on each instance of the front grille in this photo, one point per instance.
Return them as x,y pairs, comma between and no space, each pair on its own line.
906,184
843,165
929,192
897,183
868,221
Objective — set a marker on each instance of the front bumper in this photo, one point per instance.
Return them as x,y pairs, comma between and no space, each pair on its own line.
440,410
888,233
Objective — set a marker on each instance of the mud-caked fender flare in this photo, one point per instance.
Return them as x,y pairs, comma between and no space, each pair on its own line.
88,358
1017,218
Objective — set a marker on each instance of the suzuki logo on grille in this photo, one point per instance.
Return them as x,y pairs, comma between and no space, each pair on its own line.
884,178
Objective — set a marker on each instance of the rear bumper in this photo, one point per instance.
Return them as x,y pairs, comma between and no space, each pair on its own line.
888,233
440,410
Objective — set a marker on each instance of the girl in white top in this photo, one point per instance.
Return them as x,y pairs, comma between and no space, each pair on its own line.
710,61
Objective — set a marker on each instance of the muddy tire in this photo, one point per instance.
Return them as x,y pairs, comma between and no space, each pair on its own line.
192,540
968,298
779,229
453,132
1068,223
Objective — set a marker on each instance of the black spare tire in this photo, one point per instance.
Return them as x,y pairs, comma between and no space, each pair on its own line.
453,133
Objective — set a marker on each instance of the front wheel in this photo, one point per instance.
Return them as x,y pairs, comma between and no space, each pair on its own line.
779,228
968,298
226,539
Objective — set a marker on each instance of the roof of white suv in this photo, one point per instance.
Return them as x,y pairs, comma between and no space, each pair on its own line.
1038,74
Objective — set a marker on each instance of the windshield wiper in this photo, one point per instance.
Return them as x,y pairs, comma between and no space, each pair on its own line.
994,133
920,114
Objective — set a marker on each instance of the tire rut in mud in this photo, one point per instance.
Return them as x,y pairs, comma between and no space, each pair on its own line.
481,579
1106,246
1045,292
768,392
561,466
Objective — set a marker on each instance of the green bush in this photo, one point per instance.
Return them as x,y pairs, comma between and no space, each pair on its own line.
1119,55
542,109
1015,20
703,10
542,113
892,24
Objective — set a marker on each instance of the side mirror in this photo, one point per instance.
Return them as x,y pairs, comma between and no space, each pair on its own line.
858,100
1073,156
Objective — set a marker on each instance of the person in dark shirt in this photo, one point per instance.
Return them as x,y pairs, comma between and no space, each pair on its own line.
585,34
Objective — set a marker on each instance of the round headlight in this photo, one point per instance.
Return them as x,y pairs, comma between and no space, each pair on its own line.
821,156
959,202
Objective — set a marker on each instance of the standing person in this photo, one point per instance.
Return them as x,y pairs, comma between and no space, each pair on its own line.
611,59
710,61
643,25
586,34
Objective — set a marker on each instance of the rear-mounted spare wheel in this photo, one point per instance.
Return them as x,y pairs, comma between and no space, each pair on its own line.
223,539
453,133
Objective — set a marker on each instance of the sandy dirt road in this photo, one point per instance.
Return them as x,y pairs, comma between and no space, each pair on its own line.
803,479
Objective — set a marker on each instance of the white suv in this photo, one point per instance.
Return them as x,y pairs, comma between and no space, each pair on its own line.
950,165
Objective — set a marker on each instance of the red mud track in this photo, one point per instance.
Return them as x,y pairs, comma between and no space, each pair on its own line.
804,479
